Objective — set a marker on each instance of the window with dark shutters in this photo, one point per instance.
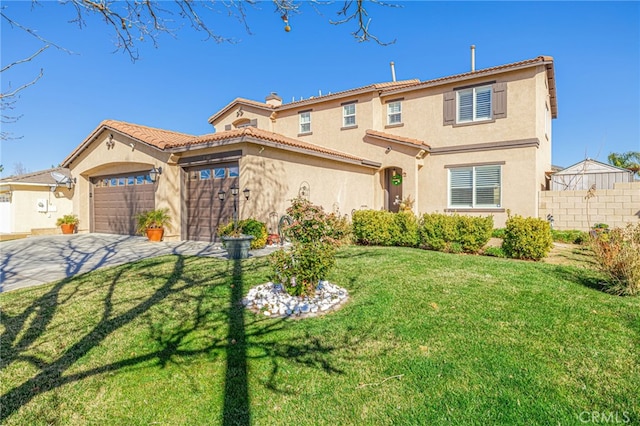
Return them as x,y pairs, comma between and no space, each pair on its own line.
475,104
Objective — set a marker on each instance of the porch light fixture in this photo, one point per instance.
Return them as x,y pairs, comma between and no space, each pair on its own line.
246,193
234,191
71,183
221,195
155,173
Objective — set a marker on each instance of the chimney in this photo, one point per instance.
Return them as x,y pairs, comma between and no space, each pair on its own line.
273,99
473,57
393,71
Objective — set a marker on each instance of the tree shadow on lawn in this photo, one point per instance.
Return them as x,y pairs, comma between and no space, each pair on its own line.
22,331
584,276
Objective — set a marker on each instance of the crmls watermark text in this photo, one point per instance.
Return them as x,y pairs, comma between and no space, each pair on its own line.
605,417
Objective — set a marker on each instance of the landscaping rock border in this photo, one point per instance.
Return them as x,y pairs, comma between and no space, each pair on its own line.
273,301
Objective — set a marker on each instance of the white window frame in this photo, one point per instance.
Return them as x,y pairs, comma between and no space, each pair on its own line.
305,121
476,185
348,115
475,110
394,116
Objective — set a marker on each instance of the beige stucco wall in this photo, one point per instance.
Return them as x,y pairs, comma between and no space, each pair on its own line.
275,177
99,159
23,210
518,182
572,210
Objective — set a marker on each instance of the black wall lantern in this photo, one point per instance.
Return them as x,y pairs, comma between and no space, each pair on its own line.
155,173
70,183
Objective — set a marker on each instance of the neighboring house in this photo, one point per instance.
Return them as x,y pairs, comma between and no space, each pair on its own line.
589,174
475,143
33,201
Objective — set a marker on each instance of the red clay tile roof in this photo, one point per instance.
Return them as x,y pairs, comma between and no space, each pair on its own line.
399,139
152,136
540,60
175,142
157,137
296,104
254,134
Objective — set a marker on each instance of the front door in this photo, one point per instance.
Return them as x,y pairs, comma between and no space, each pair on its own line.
393,188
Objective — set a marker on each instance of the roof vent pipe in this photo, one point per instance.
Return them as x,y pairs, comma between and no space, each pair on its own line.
393,71
473,57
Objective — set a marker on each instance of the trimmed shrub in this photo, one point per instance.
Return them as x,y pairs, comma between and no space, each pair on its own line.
248,227
474,232
570,237
618,256
404,229
527,238
454,233
257,229
372,227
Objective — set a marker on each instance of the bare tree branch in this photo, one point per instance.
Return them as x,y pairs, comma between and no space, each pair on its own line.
42,49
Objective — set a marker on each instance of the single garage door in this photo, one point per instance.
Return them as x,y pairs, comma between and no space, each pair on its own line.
117,200
205,211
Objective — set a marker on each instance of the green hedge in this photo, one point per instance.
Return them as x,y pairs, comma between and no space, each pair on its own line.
527,238
450,233
372,227
454,233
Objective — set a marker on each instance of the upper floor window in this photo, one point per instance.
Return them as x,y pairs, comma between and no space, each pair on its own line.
474,104
394,112
475,186
484,103
349,115
305,122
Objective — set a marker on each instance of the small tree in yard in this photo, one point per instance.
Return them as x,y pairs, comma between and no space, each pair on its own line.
315,237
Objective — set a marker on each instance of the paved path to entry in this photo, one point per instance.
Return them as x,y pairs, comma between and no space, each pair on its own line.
38,260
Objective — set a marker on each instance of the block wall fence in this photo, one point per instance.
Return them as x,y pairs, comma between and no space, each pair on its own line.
574,210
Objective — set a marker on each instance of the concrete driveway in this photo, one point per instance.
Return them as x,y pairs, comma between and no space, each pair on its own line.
38,260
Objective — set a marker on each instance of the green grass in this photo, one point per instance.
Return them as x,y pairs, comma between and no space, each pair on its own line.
426,338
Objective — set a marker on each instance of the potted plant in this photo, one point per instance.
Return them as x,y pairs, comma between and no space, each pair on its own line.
153,223
239,237
68,223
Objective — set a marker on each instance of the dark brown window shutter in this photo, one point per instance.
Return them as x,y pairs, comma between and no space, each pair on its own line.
227,127
449,112
500,100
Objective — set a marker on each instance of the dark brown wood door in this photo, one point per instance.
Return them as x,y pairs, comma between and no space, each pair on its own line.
117,199
205,211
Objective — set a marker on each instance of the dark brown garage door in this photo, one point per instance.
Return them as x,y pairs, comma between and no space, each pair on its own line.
205,211
117,199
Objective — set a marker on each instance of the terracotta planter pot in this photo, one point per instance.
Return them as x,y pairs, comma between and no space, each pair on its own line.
155,234
68,228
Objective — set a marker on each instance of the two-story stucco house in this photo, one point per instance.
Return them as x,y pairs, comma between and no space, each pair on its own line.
474,143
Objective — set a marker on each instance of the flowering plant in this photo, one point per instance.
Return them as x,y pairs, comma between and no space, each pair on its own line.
315,237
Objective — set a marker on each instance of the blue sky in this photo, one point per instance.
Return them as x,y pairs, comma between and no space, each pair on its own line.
179,84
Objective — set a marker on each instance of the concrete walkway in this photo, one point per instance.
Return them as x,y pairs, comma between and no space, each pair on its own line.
38,260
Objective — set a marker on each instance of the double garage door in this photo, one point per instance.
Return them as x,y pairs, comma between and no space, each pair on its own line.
118,198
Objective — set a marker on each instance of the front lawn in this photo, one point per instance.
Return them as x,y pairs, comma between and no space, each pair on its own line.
426,338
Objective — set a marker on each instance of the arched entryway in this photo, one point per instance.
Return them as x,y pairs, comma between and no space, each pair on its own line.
393,177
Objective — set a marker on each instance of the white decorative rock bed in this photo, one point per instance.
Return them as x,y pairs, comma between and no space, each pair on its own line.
272,300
